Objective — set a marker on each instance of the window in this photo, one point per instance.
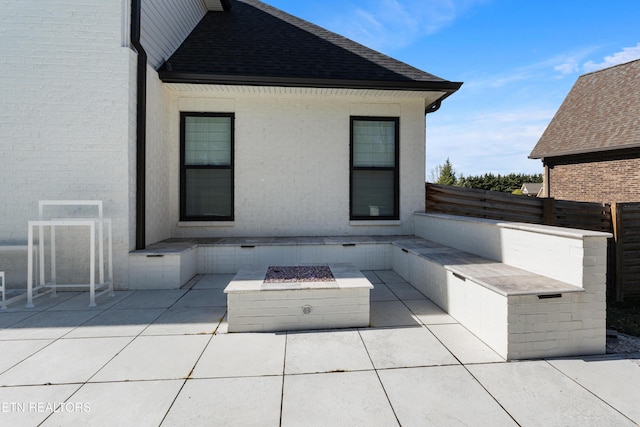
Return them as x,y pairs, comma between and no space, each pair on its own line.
206,167
375,158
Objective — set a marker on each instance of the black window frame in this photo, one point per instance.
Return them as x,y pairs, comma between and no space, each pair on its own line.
184,168
395,169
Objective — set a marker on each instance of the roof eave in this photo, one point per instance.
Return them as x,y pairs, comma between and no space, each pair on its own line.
195,78
580,152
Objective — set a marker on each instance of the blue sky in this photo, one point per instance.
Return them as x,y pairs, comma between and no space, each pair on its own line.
518,60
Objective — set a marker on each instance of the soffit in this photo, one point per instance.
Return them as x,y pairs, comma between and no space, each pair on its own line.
214,5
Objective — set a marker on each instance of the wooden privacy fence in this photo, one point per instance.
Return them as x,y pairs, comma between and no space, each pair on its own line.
509,207
626,221
621,219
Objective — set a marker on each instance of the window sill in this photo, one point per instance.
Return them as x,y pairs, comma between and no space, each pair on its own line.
369,222
206,223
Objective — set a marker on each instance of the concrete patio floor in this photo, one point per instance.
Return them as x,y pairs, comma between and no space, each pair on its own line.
164,358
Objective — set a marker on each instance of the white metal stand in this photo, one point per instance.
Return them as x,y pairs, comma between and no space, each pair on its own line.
91,223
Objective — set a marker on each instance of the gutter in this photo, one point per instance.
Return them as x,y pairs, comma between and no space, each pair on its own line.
141,124
168,76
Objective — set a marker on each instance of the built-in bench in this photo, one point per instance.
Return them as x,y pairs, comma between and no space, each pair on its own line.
526,290
172,263
485,296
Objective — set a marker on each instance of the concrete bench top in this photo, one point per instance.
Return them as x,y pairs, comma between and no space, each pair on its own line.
572,233
496,276
178,245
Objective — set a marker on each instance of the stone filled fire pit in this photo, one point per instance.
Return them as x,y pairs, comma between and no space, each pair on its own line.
306,273
282,298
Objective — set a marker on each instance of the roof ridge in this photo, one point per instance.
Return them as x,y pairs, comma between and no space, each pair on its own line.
622,64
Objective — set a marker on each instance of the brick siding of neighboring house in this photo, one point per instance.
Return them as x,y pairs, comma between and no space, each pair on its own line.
599,181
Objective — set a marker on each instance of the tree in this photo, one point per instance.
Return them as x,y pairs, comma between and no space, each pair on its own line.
504,183
447,174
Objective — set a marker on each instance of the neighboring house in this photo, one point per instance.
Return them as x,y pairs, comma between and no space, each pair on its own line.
206,118
591,148
531,189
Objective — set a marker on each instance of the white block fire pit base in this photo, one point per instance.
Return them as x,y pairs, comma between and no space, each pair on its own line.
256,306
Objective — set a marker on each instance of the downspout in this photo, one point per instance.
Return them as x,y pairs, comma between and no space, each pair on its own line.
435,106
141,124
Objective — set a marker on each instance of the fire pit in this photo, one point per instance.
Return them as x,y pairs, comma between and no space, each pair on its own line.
281,298
308,273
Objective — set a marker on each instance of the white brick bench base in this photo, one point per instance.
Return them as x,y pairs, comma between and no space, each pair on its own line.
255,307
517,313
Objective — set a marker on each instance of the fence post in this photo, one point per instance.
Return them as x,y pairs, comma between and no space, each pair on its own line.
548,211
617,220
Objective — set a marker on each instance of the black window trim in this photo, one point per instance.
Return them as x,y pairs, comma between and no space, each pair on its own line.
395,169
183,167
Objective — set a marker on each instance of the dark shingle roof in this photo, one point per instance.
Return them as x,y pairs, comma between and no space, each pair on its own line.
600,113
254,43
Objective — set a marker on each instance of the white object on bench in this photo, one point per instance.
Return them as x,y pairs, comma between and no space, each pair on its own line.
91,223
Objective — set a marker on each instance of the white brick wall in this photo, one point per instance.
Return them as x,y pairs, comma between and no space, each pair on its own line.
556,327
159,147
292,160
282,310
230,259
64,116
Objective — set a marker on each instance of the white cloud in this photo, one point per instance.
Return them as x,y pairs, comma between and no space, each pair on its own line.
625,55
569,62
565,63
570,66
389,24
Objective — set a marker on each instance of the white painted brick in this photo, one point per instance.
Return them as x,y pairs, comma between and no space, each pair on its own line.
65,110
573,325
268,130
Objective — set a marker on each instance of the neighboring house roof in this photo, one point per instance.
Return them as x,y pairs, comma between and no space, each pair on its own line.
531,188
600,113
256,44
